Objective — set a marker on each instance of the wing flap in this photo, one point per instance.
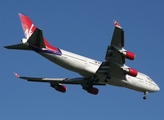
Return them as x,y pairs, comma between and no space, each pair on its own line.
111,68
113,55
35,79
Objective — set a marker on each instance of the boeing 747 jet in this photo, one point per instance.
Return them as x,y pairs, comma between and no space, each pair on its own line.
111,71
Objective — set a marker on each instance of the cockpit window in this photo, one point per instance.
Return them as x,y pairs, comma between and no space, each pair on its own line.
150,79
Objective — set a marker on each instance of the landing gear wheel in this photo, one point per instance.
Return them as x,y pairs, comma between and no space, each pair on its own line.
94,79
97,80
107,78
144,97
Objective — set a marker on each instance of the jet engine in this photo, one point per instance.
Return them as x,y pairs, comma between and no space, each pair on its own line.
93,91
60,88
129,55
131,72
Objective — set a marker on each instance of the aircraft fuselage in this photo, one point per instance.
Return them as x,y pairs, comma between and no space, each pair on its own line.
87,67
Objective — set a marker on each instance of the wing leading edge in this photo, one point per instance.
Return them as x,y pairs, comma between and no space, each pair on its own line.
78,80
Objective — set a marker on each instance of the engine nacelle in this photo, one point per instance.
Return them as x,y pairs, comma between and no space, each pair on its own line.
131,72
93,91
24,41
129,55
60,88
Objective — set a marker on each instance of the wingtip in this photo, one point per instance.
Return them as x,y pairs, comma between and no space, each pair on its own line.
16,74
116,24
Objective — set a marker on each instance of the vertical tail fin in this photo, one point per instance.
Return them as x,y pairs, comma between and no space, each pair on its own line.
27,25
35,39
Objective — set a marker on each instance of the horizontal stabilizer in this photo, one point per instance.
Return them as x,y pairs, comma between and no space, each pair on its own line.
36,39
18,47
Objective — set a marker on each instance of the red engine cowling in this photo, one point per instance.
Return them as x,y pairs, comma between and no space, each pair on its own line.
129,55
60,88
93,91
132,72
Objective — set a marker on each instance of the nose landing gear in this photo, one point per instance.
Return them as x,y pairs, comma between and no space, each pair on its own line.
145,95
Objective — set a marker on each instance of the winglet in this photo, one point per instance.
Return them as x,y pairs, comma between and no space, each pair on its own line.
117,24
16,75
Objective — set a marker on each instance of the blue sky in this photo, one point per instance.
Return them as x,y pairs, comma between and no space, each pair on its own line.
83,27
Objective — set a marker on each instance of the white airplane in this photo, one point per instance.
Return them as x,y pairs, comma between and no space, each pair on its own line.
112,71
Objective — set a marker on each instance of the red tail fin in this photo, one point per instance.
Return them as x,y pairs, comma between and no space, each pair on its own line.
27,25
29,28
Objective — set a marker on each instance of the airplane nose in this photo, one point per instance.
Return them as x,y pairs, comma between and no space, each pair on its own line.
157,88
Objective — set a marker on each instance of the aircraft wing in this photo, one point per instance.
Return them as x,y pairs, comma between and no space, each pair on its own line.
79,80
117,43
114,59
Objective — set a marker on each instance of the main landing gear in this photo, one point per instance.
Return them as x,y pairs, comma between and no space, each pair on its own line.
145,95
91,80
108,77
94,79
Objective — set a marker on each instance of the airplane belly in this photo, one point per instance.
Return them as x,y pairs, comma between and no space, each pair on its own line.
137,84
127,82
65,62
113,81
